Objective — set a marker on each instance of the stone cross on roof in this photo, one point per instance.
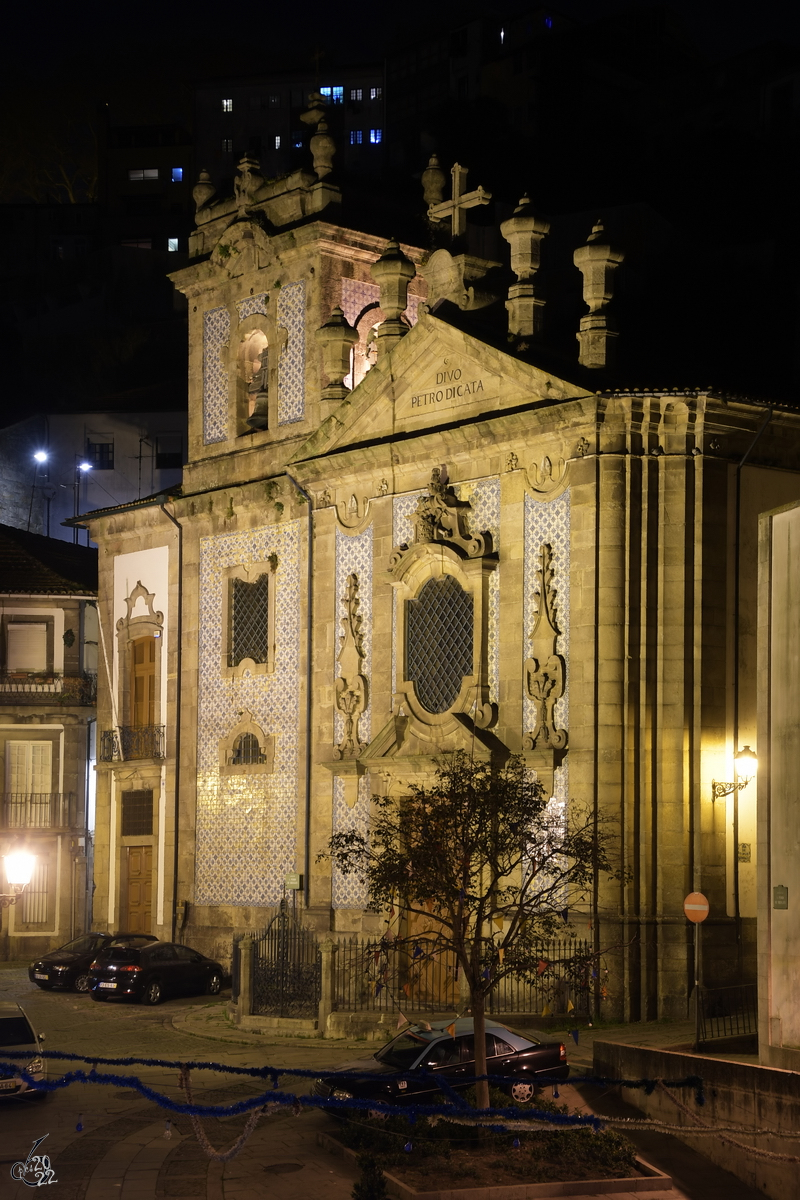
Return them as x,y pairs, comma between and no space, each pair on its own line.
456,208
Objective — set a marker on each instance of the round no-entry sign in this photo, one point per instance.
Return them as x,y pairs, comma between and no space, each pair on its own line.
696,907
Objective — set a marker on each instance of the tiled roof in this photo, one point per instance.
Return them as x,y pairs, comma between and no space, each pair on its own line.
30,563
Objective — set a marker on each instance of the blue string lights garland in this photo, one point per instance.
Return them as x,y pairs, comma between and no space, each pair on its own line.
274,1096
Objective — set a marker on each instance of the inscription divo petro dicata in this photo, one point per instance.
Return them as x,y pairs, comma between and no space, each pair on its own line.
449,386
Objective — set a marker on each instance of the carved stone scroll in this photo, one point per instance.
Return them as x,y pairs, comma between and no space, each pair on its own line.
351,686
440,517
544,671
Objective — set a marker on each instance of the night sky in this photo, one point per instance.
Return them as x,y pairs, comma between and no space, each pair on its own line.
100,42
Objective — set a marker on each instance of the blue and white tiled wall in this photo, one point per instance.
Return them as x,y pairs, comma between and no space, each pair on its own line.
291,316
354,557
246,825
548,521
216,332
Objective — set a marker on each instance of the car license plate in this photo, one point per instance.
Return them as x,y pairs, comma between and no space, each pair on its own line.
108,985
38,976
7,1085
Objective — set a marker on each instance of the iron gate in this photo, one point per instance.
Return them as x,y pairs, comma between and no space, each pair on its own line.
287,968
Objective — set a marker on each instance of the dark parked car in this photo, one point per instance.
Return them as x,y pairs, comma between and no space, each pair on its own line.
428,1053
17,1034
68,967
151,973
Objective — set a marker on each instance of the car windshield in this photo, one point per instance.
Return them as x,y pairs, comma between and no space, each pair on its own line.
403,1052
15,1031
83,945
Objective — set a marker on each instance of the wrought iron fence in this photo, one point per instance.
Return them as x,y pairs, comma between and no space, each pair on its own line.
38,810
44,687
287,968
376,976
728,1012
131,742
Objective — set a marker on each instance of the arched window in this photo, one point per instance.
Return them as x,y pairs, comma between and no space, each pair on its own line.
252,382
247,749
439,642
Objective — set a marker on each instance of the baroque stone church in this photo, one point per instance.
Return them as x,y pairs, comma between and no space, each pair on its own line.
408,524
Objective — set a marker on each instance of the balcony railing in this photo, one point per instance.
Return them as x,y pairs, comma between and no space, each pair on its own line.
131,742
47,687
38,810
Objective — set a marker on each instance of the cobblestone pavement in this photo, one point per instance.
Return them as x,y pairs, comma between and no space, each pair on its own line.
122,1151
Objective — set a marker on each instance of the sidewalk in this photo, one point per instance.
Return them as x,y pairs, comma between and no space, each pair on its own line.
287,1156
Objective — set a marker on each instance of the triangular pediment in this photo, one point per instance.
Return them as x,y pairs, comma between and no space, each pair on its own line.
436,375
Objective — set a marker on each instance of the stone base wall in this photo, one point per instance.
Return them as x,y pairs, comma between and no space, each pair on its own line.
741,1094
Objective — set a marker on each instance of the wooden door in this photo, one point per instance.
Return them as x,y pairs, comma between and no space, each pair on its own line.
143,681
139,890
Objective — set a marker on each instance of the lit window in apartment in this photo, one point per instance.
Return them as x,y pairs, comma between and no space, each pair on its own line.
356,93
375,136
139,173
375,93
356,137
277,141
334,94
227,105
177,174
227,145
172,243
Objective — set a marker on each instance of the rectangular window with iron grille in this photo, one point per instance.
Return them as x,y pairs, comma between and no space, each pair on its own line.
137,812
249,620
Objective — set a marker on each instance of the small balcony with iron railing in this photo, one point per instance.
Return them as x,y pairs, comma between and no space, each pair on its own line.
39,810
47,687
131,742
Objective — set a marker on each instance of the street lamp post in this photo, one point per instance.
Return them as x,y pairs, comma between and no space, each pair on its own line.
19,872
80,470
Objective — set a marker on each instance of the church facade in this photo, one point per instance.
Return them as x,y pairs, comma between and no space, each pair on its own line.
398,535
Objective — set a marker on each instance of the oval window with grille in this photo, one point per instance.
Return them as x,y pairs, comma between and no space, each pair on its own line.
439,632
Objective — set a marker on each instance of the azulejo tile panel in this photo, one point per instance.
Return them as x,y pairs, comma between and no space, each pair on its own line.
252,306
349,891
484,517
246,826
292,362
354,556
357,294
216,332
547,521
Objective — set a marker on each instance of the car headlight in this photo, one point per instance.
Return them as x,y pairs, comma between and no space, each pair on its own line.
338,1094
35,1066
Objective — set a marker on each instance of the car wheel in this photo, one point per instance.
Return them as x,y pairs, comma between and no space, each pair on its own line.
81,983
214,986
152,993
521,1093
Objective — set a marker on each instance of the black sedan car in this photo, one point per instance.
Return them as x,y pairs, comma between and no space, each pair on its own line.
152,973
68,967
427,1054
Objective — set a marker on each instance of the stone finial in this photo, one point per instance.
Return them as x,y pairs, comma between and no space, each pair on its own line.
336,337
392,272
524,232
323,147
315,111
203,190
433,181
248,182
597,261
